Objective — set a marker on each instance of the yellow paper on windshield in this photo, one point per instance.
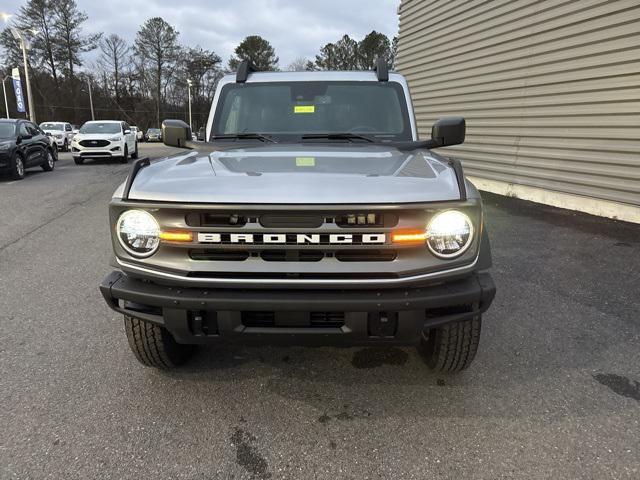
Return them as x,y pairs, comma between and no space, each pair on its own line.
305,162
304,109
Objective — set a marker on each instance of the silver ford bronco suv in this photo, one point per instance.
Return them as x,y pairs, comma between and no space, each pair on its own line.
310,215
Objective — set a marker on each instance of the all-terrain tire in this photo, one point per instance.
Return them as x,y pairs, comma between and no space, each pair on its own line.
451,348
154,346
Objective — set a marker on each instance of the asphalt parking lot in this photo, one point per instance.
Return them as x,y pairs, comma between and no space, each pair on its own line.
554,391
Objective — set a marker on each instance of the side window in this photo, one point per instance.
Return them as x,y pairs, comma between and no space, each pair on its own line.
23,129
67,127
33,129
125,127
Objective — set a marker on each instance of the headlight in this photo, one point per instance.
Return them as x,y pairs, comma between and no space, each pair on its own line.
449,234
138,233
59,135
4,146
115,139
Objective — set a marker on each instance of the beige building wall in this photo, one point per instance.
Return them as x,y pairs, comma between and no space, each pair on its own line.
550,90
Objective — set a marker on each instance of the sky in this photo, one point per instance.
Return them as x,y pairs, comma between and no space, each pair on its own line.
294,28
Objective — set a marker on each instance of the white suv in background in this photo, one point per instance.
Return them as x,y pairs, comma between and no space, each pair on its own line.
61,132
104,138
138,132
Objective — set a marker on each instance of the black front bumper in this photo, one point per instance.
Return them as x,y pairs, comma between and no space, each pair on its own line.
355,317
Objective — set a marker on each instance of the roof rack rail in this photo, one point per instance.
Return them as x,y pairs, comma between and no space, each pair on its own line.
245,68
137,165
382,70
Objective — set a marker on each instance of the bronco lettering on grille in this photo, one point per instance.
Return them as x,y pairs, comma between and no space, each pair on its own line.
293,238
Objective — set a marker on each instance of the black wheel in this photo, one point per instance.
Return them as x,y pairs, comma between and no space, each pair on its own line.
65,146
154,346
78,160
54,152
125,157
49,162
451,348
17,167
134,155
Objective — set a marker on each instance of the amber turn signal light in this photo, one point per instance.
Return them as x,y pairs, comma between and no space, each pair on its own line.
408,236
176,236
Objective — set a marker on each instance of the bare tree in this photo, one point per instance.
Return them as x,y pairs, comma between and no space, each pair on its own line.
157,45
300,64
114,59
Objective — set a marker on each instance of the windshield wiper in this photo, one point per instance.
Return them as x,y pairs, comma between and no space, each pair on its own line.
338,136
243,136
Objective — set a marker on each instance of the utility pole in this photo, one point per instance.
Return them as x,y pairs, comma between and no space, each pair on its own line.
93,117
4,90
17,34
189,83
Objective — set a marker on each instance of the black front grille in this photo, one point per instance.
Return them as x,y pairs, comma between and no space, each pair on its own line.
294,255
94,143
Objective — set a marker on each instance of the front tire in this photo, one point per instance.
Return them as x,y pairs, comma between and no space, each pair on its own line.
78,160
65,146
451,348
134,155
49,162
17,167
154,346
125,157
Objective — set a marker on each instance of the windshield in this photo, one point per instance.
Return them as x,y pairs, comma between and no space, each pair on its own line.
51,126
288,110
101,127
153,130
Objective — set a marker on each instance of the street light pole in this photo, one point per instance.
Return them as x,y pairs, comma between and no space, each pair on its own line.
19,36
189,83
4,90
93,117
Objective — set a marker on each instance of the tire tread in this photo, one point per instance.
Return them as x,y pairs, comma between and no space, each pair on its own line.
153,345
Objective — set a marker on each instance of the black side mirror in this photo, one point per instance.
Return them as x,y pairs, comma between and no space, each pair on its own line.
48,134
175,133
448,131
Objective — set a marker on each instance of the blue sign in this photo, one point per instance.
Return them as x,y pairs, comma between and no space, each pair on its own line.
17,88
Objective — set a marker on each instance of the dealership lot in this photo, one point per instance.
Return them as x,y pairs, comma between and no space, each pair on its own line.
554,391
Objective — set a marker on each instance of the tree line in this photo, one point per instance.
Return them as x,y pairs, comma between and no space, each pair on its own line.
145,81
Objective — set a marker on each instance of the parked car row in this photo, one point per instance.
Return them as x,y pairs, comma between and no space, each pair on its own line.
23,144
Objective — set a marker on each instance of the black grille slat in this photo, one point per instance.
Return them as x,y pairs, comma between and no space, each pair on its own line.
219,255
268,319
366,255
291,255
291,220
327,319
